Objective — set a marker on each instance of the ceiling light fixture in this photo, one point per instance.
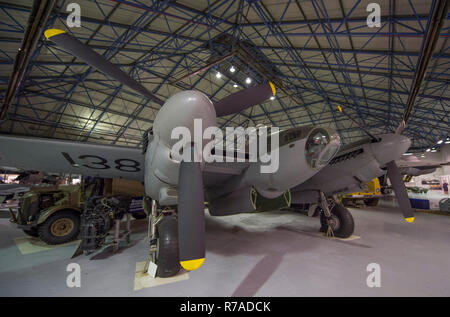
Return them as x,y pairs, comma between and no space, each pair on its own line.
440,141
235,86
407,154
272,97
218,75
248,80
428,150
232,69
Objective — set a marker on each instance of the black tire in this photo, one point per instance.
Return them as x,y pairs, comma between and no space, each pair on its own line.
167,259
32,232
345,225
139,215
371,202
46,231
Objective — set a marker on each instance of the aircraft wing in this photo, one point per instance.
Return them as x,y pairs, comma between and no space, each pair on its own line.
59,156
216,173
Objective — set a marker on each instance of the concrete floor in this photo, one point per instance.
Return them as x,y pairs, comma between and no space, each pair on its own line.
269,254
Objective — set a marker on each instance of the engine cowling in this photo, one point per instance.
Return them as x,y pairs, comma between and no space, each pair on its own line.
180,110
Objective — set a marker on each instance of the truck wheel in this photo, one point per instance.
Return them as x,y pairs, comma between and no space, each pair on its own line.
61,227
32,232
371,201
341,221
167,253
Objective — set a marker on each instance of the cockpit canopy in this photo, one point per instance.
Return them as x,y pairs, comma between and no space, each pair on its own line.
321,147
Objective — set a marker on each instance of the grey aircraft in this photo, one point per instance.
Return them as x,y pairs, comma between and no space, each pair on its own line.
305,156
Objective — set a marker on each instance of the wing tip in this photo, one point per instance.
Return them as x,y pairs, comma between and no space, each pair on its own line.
410,219
192,265
52,32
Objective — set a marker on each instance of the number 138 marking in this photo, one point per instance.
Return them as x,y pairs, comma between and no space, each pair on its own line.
124,165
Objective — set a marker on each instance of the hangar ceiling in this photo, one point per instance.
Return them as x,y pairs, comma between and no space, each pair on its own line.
319,53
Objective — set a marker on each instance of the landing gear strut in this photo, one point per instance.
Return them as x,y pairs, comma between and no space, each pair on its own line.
335,219
163,236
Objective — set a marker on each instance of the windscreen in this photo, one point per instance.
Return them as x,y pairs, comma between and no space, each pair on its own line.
328,153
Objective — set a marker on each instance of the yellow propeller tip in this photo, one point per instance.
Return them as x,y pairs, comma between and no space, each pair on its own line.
274,91
340,108
52,32
410,219
192,265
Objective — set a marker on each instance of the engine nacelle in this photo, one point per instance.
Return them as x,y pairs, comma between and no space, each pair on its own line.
180,110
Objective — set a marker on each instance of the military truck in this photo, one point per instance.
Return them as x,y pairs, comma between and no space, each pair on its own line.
52,213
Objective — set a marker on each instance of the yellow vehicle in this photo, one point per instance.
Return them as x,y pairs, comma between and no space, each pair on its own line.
370,195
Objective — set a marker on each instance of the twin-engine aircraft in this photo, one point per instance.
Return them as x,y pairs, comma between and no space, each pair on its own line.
229,187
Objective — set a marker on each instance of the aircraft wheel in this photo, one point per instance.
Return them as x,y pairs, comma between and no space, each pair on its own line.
341,221
32,232
167,251
371,201
61,227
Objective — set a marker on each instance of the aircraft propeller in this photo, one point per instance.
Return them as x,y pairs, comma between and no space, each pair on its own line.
393,174
398,185
233,103
191,218
243,99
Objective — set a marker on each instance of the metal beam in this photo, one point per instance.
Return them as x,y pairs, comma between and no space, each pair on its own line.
434,26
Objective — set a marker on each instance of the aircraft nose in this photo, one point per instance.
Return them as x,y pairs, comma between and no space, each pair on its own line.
390,147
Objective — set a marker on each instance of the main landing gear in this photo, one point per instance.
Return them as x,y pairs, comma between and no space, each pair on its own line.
335,219
163,235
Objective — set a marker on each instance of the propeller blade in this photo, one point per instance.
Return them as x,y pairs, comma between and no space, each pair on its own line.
92,58
374,138
400,191
191,216
244,99
401,127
